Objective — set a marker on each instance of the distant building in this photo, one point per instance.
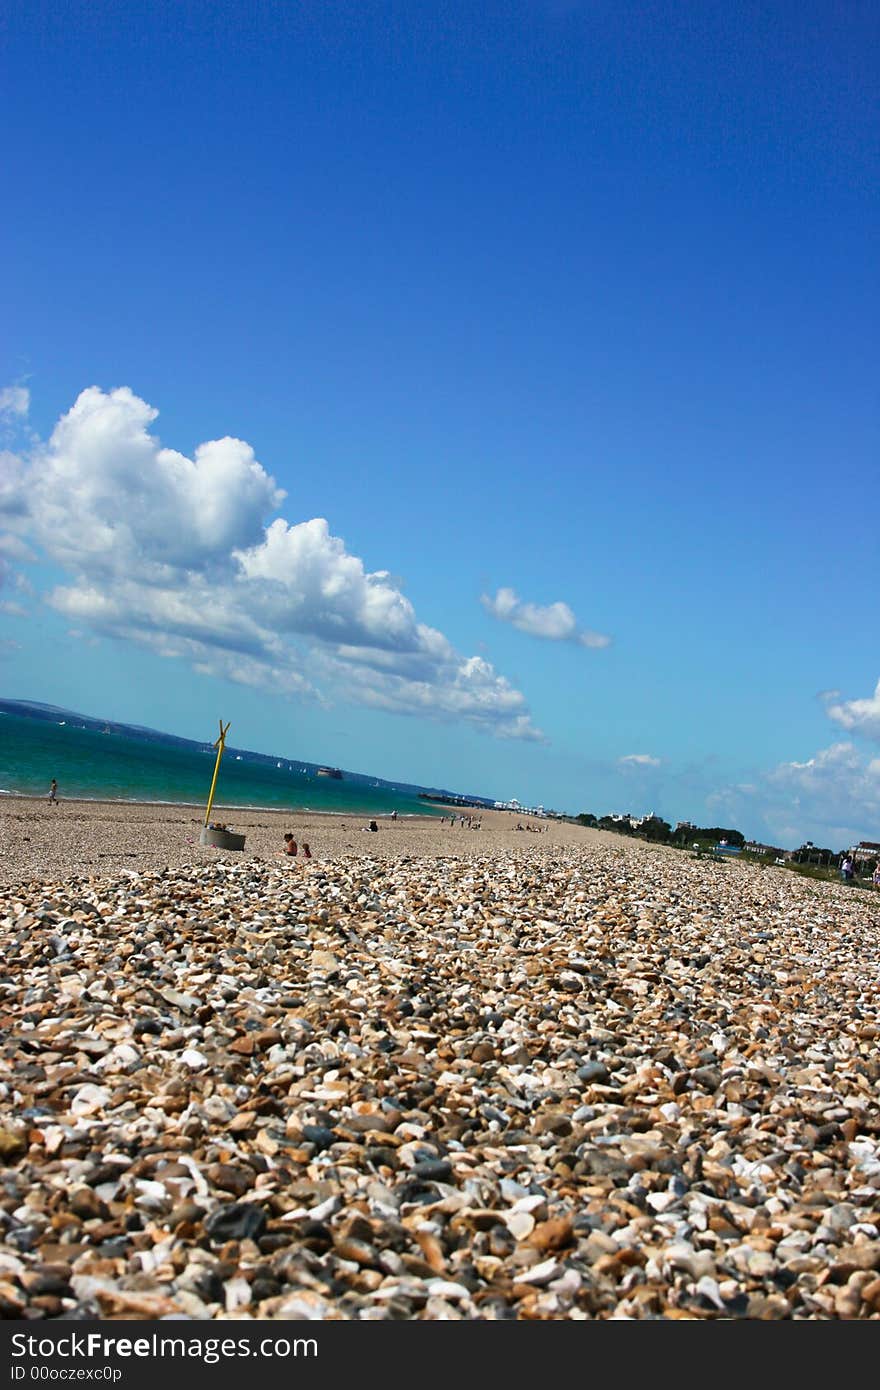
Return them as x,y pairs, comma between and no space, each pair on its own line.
755,847
514,805
866,849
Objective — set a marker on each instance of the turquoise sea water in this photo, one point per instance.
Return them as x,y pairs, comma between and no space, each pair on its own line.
113,766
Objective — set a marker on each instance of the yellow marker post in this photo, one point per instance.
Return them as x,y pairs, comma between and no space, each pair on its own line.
219,745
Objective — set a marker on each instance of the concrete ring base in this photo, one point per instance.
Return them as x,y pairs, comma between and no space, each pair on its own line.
221,839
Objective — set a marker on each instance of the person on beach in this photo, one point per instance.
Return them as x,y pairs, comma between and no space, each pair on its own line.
875,877
307,853
53,793
289,845
846,870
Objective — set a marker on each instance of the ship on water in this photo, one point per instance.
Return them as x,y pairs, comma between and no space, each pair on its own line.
329,772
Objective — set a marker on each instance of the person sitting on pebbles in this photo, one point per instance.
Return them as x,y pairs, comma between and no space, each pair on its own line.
290,846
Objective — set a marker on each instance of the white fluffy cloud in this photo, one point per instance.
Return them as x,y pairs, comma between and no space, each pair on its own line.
174,553
304,580
555,622
107,499
821,773
858,716
639,760
832,798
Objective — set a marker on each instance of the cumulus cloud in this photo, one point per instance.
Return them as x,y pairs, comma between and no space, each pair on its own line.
639,760
555,622
107,499
304,580
175,553
455,688
832,798
858,716
827,761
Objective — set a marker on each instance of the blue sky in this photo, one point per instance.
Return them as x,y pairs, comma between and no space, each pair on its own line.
556,326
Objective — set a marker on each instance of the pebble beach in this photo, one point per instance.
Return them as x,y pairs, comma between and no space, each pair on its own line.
434,1073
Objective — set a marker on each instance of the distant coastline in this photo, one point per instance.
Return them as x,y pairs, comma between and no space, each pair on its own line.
476,803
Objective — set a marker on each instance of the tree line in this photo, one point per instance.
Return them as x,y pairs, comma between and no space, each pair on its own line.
658,829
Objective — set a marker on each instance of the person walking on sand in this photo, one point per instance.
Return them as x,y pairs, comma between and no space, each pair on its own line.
53,793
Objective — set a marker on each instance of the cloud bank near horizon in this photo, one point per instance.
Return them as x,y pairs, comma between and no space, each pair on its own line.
554,622
175,553
821,793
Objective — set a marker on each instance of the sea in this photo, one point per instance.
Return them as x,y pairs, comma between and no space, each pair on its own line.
98,765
